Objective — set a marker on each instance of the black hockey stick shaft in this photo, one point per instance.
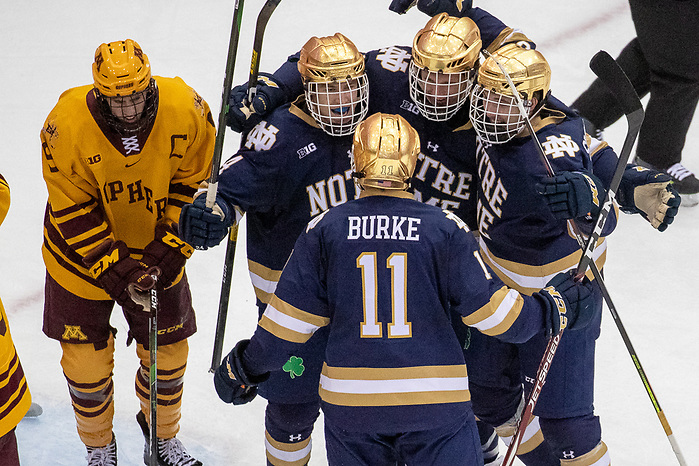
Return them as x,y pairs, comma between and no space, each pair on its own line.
153,373
639,368
618,83
611,74
262,19
213,180
226,280
227,81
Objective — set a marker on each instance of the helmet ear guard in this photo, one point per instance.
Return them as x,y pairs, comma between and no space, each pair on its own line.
384,152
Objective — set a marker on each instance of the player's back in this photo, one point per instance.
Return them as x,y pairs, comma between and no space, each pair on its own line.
392,355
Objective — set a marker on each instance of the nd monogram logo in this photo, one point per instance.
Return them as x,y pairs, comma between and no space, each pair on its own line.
394,59
262,137
560,146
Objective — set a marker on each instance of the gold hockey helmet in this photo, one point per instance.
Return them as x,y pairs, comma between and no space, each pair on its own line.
384,152
494,112
443,66
447,44
121,68
335,84
330,58
528,69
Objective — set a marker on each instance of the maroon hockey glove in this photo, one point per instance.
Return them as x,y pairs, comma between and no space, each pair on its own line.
114,270
168,253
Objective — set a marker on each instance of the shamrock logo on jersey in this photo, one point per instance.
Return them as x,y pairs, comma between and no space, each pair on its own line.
294,366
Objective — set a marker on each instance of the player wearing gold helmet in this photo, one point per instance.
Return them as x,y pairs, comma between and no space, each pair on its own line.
518,195
292,167
427,84
120,158
384,273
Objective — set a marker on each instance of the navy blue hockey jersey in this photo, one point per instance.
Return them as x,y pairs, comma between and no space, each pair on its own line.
520,239
445,175
287,172
384,273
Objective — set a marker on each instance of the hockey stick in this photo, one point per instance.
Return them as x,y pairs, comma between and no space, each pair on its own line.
262,19
612,75
218,150
554,340
227,81
609,72
153,373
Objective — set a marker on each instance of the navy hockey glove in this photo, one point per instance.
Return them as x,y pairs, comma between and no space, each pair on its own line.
114,270
650,193
571,304
457,8
168,253
243,116
203,227
233,384
572,194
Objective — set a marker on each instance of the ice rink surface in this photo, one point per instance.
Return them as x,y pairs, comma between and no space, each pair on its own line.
49,48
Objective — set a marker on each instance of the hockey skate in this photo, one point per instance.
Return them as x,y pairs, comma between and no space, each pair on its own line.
171,452
102,456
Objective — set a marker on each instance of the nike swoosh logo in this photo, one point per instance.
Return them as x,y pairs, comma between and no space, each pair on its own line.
132,164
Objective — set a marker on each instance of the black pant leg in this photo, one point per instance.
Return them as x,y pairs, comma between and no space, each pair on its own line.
668,39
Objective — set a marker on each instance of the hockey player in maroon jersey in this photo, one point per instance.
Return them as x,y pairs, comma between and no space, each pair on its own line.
121,157
383,273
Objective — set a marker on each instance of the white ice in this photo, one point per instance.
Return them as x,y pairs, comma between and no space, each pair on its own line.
48,47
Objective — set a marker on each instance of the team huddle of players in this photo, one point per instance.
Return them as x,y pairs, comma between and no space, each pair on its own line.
409,250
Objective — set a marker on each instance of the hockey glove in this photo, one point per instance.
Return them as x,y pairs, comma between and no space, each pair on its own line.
570,304
203,227
648,192
243,116
572,195
433,7
233,384
168,253
114,270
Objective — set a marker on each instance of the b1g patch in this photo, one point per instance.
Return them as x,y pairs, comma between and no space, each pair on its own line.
294,366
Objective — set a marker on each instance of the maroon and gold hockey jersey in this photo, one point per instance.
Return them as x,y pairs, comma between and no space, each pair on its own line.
14,393
102,186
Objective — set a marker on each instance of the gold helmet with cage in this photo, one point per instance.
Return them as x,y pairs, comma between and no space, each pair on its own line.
494,111
444,60
335,83
384,152
125,90
120,68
